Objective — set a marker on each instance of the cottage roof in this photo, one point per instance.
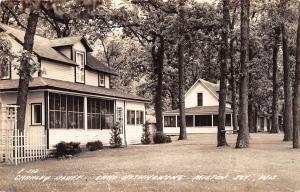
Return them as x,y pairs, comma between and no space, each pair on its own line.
45,48
199,110
46,83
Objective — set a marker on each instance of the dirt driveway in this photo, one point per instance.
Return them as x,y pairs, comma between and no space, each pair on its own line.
191,165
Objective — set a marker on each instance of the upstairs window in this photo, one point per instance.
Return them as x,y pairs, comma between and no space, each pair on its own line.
80,60
200,99
5,71
101,80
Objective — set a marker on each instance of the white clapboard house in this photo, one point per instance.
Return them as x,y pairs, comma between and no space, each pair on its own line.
70,97
201,109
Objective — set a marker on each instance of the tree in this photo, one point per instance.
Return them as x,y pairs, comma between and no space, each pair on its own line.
181,82
243,135
296,101
6,56
288,107
223,77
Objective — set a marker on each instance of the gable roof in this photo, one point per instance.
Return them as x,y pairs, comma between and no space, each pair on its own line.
41,45
46,83
97,65
64,41
45,48
211,87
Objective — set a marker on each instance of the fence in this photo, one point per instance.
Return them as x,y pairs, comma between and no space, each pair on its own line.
18,146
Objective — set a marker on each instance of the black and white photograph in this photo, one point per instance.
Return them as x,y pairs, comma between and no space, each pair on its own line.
149,95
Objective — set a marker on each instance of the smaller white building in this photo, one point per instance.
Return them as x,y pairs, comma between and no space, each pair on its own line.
202,106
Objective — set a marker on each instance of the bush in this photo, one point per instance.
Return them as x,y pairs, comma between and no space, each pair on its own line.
64,148
146,134
160,137
95,145
115,139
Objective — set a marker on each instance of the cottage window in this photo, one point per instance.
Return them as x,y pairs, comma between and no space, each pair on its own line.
189,120
200,99
100,113
170,121
227,120
5,71
139,117
101,80
130,117
36,114
80,60
66,111
203,120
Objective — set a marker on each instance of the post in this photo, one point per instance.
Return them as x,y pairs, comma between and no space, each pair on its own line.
212,120
85,113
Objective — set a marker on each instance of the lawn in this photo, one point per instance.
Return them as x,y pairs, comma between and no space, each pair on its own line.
192,165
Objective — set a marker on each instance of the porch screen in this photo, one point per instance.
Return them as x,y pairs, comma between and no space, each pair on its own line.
100,113
170,121
66,111
227,120
203,120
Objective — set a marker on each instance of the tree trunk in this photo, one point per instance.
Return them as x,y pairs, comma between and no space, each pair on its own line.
243,135
223,77
288,107
251,114
25,69
158,62
233,86
274,128
296,101
182,133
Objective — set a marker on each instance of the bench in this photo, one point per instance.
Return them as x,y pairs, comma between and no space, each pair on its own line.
230,131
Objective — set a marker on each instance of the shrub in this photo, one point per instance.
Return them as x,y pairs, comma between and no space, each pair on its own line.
160,137
146,134
115,139
95,145
63,148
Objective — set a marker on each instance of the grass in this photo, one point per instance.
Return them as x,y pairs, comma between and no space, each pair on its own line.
267,156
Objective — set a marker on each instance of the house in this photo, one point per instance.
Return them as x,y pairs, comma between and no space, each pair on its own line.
201,109
70,96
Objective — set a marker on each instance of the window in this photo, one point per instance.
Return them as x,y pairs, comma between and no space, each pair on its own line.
100,113
139,117
189,120
66,111
130,117
5,71
80,60
227,120
170,121
36,114
203,120
101,80
200,99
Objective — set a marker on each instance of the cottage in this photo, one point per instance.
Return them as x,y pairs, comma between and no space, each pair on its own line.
70,96
202,107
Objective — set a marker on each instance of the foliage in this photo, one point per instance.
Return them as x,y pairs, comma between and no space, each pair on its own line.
6,55
160,137
94,145
146,136
64,148
115,136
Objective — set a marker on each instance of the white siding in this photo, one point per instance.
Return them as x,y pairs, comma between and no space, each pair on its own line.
208,98
91,78
54,70
134,132
17,49
33,97
204,129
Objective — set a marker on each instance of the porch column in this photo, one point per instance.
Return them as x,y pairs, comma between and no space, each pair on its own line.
85,112
176,121
231,122
194,122
212,120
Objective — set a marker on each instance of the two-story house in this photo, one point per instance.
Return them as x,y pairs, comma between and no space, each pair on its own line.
201,109
70,96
